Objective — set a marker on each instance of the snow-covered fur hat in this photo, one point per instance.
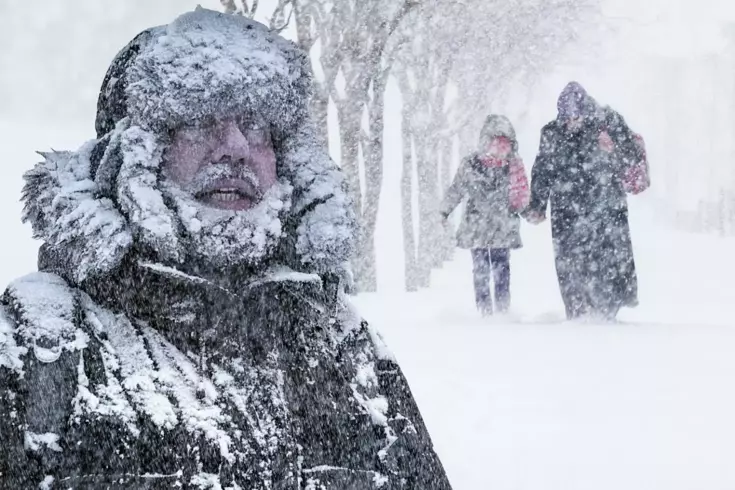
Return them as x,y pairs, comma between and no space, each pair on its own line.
205,63
92,205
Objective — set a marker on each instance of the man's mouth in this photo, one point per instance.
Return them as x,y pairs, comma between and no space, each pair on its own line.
224,195
235,195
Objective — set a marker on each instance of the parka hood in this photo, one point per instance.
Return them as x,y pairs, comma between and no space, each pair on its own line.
496,125
93,206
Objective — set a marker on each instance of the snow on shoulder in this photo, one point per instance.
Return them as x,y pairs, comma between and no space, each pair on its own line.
46,308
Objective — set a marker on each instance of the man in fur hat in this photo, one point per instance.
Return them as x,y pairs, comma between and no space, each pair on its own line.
188,327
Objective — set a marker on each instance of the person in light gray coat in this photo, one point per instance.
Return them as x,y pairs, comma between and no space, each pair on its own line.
493,183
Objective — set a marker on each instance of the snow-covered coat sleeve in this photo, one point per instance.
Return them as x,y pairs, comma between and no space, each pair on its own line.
623,137
424,469
31,409
542,173
631,153
16,471
457,190
40,353
637,178
382,390
360,426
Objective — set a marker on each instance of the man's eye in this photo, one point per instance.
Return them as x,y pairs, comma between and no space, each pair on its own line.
190,134
248,123
196,131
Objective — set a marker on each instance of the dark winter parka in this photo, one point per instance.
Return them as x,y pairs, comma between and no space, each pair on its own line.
494,194
125,365
580,172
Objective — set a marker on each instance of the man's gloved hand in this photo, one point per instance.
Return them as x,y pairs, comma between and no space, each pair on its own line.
534,217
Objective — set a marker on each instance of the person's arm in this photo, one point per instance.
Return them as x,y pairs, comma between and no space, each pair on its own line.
624,139
456,191
636,178
17,470
541,177
520,193
631,150
408,453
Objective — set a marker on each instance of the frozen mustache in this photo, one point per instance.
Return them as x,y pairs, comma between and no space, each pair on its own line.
226,169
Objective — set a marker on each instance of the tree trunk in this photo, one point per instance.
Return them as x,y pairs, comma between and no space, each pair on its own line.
409,241
428,187
373,159
349,115
445,176
319,102
320,111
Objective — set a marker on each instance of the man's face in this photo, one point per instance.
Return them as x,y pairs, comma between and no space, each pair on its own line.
574,124
226,164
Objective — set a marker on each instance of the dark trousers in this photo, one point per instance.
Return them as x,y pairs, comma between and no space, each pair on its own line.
484,262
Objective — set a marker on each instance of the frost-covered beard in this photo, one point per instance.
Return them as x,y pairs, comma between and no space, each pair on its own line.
221,238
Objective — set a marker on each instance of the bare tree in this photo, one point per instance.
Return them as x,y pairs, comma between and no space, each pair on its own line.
422,72
436,46
482,49
241,7
348,38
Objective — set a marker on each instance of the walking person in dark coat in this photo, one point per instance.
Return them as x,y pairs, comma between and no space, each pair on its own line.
188,326
494,184
587,160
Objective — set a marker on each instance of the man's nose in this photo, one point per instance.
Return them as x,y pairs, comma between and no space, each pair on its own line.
231,143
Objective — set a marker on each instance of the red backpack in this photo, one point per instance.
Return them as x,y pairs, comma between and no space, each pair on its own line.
636,178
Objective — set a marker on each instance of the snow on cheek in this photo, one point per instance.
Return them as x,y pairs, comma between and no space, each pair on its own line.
36,442
188,215
138,191
185,156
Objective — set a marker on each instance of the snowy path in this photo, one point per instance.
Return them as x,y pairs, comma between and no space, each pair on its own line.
538,403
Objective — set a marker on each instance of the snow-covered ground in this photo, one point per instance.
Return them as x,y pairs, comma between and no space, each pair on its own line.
533,402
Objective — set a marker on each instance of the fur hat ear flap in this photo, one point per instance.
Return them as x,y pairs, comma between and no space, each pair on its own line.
63,205
89,221
106,161
132,167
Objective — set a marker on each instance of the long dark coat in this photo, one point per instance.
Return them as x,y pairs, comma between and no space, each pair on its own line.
579,174
153,379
